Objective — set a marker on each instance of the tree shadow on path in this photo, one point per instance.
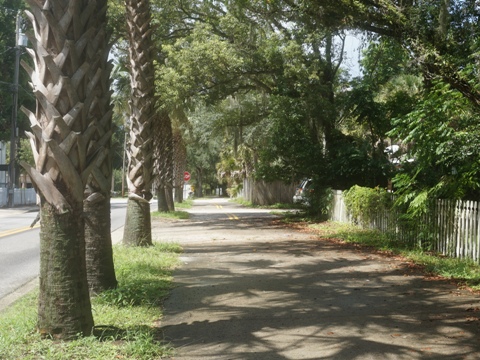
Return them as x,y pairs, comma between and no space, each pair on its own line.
286,296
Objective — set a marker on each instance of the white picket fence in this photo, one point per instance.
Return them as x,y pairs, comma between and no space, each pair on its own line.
20,197
458,228
451,227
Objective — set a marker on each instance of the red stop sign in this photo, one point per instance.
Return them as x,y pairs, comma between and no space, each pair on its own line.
186,176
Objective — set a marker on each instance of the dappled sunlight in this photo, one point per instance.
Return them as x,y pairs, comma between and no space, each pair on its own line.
286,293
250,299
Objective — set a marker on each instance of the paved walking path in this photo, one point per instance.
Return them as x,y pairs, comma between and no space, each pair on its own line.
252,289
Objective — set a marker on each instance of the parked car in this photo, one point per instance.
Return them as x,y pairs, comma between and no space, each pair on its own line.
302,192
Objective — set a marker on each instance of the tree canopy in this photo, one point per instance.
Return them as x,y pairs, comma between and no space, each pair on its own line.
265,83
309,117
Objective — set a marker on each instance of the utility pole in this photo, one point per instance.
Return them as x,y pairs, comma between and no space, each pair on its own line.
11,177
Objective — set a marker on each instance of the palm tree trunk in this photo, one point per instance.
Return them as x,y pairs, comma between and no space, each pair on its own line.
179,164
169,197
98,242
136,231
98,239
199,178
178,194
142,103
64,309
66,149
162,201
163,163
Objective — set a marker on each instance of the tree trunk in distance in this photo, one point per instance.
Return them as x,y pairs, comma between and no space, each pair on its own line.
162,201
179,163
163,163
199,178
179,194
169,197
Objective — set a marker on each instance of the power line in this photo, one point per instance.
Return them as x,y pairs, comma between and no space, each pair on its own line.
10,48
5,83
28,92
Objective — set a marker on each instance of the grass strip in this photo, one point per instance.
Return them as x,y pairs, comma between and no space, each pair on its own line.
173,215
464,271
125,317
279,206
185,204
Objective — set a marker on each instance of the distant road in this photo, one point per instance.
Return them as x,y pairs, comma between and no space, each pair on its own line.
20,245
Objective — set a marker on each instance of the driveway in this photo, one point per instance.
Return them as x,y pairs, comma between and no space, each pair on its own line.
250,288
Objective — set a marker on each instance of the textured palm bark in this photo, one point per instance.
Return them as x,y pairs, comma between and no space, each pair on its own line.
63,309
99,254
165,201
62,138
138,215
98,246
163,162
169,197
162,204
178,194
142,105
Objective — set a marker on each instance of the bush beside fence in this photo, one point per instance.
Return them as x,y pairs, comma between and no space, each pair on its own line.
450,227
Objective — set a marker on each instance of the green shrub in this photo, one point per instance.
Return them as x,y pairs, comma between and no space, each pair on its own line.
319,202
363,203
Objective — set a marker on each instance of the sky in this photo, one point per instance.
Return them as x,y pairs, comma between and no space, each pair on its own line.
353,51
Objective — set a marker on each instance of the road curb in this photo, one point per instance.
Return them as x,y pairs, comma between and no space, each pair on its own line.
15,295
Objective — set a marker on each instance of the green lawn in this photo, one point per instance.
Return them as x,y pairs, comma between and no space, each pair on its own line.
125,318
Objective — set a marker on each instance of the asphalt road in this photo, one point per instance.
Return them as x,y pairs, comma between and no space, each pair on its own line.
20,248
251,289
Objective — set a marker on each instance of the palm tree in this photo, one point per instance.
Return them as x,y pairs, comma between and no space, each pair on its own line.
138,230
98,239
179,164
163,163
180,122
66,148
